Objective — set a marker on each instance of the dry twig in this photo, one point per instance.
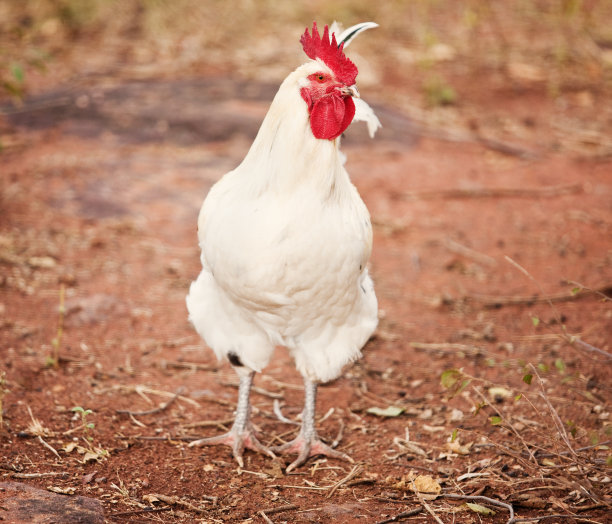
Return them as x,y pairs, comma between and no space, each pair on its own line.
279,509
480,498
467,252
40,475
401,516
492,301
536,192
451,347
188,365
176,501
140,512
266,518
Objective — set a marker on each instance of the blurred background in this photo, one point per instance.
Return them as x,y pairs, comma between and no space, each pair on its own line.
445,63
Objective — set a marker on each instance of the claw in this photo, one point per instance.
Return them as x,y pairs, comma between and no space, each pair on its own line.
238,441
307,448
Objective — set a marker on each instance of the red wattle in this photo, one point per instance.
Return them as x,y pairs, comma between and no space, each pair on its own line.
331,115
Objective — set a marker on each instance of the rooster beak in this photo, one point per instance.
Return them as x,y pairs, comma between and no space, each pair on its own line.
350,91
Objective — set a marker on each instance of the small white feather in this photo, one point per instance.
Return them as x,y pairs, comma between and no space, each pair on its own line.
364,113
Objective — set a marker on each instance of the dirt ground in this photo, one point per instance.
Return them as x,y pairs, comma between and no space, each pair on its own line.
489,375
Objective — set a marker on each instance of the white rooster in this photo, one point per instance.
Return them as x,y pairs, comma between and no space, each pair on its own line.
285,242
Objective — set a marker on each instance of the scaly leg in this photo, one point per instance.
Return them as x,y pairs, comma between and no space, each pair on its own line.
242,433
307,443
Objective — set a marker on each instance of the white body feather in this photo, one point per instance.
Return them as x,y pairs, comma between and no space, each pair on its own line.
285,240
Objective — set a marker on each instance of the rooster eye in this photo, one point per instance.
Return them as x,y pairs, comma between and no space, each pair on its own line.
320,78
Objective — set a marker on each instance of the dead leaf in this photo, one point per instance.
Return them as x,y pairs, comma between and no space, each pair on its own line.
391,411
406,446
86,479
150,499
433,429
457,447
427,487
70,447
426,414
479,508
456,415
531,502
61,491
525,72
42,262
498,393
275,470
90,456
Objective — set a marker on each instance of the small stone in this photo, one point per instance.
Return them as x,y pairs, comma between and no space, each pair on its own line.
23,504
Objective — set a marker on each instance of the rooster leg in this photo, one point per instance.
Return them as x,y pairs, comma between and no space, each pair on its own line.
307,443
242,433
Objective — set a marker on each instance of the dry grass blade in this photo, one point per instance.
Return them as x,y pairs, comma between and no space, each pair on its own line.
221,424
280,416
136,422
553,413
49,447
143,391
339,436
162,407
256,389
35,428
352,474
572,340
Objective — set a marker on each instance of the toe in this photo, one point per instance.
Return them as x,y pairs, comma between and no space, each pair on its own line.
309,448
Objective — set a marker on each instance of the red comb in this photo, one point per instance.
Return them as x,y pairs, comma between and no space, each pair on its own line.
328,51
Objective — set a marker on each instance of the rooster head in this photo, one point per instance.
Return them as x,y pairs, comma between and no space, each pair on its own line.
329,89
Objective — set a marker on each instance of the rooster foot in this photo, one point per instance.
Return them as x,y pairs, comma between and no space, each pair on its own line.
238,441
306,448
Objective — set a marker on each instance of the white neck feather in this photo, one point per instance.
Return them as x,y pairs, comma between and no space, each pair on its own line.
285,155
